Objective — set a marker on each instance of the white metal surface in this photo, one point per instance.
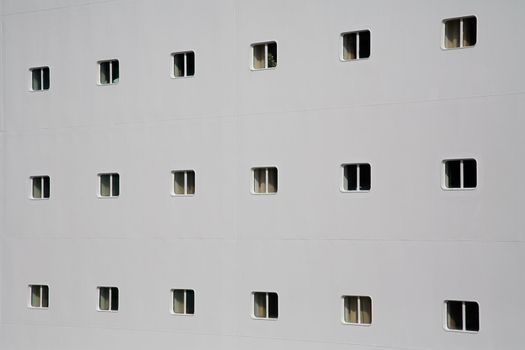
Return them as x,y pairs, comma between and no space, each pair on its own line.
406,243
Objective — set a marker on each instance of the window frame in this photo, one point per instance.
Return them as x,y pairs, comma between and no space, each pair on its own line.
253,169
110,83
110,288
99,190
41,68
266,62
342,45
358,183
267,296
186,194
343,306
463,315
461,175
30,304
461,32
185,53
42,184
185,290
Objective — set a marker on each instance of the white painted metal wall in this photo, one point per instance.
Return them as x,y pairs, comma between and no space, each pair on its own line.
407,243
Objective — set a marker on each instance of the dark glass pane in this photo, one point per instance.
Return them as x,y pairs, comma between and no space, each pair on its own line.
190,64
454,315
190,302
350,173
36,79
178,301
469,173
258,56
178,177
272,180
46,78
115,71
259,183
350,309
46,186
364,177
272,55
259,304
35,296
178,68
191,182
103,301
452,174
364,44
104,72
104,185
115,189
472,316
45,296
114,299
350,46
469,31
452,30
366,310
273,306
37,187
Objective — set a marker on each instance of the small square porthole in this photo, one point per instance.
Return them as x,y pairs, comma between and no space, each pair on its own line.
109,185
40,187
109,72
183,301
356,177
264,180
108,298
460,32
183,64
462,316
183,182
39,78
460,174
356,45
38,296
357,310
264,55
265,305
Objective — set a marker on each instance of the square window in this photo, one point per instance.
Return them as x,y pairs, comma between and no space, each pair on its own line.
357,310
460,32
462,315
183,301
183,182
356,45
39,78
265,305
356,177
39,296
460,174
264,180
108,72
40,186
108,299
264,55
183,64
109,185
